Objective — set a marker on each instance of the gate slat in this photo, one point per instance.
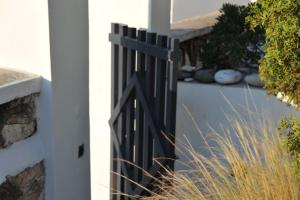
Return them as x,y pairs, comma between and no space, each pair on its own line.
123,30
114,179
138,138
171,100
130,107
160,91
149,92
129,149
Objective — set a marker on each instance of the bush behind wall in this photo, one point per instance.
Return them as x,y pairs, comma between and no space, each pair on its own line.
280,67
232,44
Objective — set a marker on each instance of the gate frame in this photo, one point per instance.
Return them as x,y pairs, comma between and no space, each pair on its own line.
143,107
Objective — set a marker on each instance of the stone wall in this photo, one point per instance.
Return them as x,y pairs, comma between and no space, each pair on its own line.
27,185
17,120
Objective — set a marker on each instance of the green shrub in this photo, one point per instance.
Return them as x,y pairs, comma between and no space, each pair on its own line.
231,42
290,128
280,67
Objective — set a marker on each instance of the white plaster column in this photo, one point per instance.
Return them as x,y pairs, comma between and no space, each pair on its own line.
69,48
159,16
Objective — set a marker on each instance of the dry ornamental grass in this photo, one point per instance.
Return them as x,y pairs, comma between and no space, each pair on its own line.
243,165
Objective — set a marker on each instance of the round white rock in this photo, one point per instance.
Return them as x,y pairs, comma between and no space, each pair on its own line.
228,76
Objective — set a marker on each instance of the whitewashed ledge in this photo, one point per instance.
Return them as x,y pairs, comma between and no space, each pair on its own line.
190,28
15,84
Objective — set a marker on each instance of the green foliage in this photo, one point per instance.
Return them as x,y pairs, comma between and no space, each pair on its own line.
290,128
231,42
280,67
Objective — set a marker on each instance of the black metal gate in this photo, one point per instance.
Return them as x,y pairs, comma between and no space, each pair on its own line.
144,86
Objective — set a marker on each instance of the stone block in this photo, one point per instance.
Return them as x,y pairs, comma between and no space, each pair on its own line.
27,185
17,120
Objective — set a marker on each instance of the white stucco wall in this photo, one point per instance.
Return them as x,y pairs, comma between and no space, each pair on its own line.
24,35
159,16
63,107
63,119
209,106
102,13
182,9
69,44
24,39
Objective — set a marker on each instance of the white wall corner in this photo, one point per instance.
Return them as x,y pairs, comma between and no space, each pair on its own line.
69,47
159,16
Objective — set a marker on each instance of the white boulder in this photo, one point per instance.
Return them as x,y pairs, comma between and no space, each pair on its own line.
228,76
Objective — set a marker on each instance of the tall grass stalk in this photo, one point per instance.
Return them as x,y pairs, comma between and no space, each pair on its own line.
245,164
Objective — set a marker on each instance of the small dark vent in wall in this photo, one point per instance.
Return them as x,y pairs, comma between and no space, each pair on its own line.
80,151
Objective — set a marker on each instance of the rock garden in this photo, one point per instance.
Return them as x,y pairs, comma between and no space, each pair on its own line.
229,54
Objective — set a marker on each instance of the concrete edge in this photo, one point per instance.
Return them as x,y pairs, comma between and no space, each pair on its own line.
188,34
20,88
